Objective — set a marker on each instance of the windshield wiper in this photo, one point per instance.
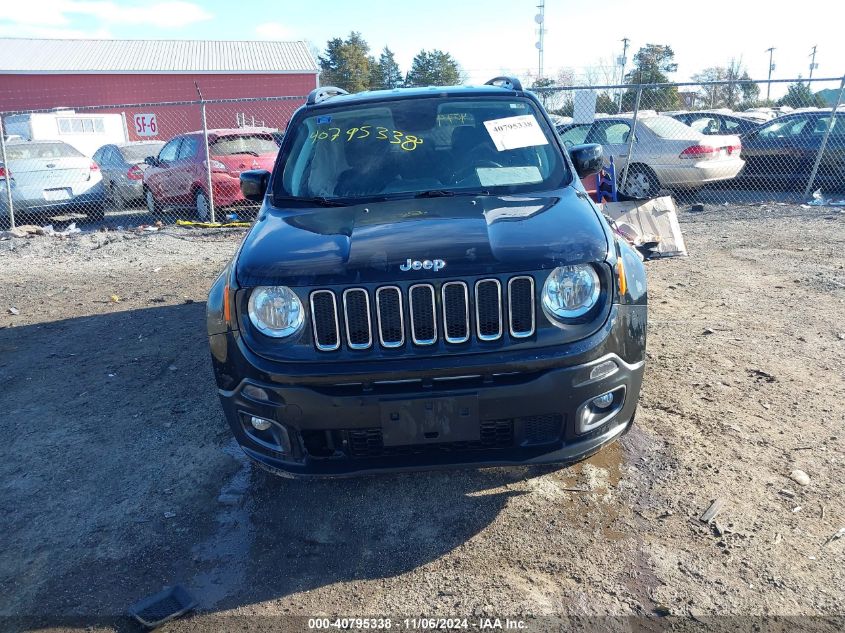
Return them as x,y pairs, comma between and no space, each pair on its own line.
321,201
445,193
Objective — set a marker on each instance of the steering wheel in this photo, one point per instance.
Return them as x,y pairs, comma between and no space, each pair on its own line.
466,172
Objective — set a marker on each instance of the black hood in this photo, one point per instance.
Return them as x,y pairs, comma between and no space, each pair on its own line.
473,235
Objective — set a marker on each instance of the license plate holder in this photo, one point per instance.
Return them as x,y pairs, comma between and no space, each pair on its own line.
52,195
430,420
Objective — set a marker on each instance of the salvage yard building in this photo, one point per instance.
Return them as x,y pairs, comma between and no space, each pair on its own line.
71,75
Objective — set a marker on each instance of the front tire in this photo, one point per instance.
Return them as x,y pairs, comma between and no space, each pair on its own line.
641,183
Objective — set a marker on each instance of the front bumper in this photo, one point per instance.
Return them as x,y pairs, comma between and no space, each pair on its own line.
522,411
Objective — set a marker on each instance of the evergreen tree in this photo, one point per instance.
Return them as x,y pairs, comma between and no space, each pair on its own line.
346,63
435,68
385,73
800,96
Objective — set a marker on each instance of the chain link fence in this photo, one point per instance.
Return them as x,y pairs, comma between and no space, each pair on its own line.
714,141
138,163
146,162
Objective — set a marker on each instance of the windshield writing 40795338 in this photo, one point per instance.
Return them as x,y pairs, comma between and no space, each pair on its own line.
407,142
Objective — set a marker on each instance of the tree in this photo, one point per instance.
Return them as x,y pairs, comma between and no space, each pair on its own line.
435,68
652,64
606,104
546,96
800,96
385,73
346,64
730,94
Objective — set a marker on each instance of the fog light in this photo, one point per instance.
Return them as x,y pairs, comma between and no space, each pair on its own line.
256,393
603,370
602,402
260,424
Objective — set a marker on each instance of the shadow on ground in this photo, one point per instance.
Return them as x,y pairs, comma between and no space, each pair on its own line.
120,477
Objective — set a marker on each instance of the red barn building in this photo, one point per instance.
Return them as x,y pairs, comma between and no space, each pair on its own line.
140,76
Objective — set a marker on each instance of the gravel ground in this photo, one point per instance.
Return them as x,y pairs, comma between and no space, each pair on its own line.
118,475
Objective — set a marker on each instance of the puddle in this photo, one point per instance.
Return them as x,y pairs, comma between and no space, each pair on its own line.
226,551
609,459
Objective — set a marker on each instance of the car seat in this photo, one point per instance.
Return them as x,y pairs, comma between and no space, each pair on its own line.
366,172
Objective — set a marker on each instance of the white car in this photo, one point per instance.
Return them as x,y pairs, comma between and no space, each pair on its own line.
666,153
48,177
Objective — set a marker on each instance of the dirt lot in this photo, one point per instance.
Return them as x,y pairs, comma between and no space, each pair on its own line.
118,476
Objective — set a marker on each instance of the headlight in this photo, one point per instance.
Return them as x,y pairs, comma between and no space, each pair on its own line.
276,311
570,292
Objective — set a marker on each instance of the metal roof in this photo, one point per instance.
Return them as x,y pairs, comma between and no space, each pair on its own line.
34,56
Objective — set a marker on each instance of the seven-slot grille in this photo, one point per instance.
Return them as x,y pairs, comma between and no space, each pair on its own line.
392,315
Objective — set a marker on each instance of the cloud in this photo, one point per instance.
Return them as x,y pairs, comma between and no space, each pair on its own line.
51,32
37,15
272,31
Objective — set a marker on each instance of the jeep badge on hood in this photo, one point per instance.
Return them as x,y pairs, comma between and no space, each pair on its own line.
426,264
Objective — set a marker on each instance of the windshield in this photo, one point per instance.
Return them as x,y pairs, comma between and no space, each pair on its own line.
413,146
247,144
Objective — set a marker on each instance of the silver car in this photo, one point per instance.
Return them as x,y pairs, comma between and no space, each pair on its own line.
48,178
122,165
665,153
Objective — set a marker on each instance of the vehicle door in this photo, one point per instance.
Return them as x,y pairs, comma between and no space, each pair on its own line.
772,152
183,172
157,177
612,135
832,164
833,158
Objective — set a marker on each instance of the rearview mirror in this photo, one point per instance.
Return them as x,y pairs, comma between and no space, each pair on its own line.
587,159
254,184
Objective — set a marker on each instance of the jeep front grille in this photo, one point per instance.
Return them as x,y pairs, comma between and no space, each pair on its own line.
391,316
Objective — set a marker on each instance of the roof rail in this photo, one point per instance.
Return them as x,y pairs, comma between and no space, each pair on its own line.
318,95
509,83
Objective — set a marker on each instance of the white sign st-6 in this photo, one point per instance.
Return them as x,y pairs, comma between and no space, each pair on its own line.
146,125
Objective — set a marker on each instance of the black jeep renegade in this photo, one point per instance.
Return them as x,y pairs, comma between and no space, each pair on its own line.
427,285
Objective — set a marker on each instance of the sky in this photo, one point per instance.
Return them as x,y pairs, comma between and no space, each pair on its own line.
487,38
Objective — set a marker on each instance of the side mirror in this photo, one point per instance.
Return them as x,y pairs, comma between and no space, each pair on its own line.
587,159
152,161
254,184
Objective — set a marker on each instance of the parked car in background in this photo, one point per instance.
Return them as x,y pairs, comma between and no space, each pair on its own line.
177,175
123,166
782,152
712,123
667,153
47,177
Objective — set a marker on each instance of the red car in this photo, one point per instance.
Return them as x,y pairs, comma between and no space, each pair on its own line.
178,176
